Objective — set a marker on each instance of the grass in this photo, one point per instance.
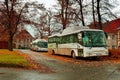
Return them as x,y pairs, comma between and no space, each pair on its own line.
17,59
13,59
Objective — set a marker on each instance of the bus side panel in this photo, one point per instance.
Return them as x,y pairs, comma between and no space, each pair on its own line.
56,48
98,51
51,47
66,49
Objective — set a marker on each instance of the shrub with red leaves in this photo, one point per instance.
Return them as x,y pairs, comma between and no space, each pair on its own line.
114,52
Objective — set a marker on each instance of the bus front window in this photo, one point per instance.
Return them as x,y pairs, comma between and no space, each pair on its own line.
94,39
42,44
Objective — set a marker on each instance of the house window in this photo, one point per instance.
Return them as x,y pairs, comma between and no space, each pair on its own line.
119,45
113,46
113,37
119,35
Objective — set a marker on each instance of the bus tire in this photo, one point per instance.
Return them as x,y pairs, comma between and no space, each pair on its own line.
73,55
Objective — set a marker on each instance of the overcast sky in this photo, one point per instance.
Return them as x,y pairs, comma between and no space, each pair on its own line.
48,3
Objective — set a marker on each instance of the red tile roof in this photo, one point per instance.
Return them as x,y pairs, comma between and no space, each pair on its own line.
23,35
111,26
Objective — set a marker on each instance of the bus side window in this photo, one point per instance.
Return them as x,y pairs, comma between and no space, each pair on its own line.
75,38
80,37
71,38
63,39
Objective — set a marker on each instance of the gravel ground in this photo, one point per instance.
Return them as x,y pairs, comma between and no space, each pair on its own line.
104,68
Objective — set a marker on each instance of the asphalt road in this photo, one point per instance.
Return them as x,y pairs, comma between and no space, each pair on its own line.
62,70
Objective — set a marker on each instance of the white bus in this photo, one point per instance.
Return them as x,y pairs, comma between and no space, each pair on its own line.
39,45
79,42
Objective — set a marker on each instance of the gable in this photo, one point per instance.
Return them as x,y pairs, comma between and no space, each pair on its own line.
23,35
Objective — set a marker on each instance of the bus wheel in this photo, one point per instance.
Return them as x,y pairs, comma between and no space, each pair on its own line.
73,55
53,52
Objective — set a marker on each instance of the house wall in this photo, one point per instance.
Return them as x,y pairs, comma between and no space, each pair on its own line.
23,43
111,41
3,45
118,39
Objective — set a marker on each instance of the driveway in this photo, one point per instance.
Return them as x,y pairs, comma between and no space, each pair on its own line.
62,70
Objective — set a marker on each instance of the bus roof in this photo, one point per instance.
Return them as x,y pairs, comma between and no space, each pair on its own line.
41,40
70,30
58,34
75,29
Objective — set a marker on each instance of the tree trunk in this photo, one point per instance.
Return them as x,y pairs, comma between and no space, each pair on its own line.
81,11
93,12
10,45
64,12
99,15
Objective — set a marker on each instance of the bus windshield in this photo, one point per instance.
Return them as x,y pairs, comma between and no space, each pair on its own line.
94,39
42,44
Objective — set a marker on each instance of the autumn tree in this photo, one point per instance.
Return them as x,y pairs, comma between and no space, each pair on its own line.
14,14
11,19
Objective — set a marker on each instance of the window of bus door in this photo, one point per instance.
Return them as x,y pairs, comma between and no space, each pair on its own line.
80,39
94,39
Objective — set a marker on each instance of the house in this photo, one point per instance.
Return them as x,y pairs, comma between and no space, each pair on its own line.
23,39
112,28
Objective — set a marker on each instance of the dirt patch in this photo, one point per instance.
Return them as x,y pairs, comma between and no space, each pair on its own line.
34,65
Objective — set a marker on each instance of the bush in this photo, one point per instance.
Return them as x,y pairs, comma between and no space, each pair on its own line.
114,52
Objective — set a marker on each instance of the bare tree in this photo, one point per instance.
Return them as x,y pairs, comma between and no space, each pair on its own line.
93,12
64,12
81,11
99,15
42,25
104,10
50,16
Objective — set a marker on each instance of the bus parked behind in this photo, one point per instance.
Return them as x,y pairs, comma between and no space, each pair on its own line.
39,45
